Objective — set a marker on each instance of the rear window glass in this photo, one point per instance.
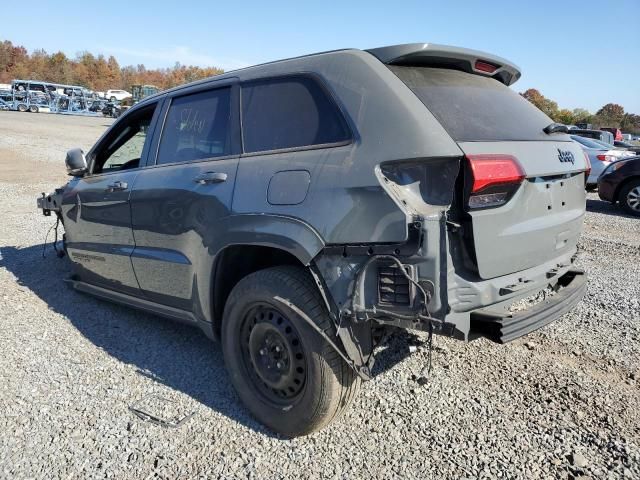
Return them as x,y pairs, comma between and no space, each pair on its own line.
587,142
475,108
289,112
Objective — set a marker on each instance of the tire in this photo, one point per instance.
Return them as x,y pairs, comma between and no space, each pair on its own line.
33,109
629,197
308,384
22,107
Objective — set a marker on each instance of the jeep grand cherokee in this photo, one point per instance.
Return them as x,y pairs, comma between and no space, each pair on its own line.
294,209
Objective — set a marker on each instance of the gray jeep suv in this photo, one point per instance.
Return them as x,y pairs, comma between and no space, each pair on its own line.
297,209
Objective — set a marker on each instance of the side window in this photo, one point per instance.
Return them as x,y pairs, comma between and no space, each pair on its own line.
197,127
289,112
123,147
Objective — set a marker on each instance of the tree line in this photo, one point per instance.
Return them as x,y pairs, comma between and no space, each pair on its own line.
610,115
94,72
99,73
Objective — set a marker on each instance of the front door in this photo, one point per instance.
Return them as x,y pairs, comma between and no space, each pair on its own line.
97,214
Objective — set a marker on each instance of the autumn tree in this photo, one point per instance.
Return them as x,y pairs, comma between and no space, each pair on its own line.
564,116
610,115
549,107
13,61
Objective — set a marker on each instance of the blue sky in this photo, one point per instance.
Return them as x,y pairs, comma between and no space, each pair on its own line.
578,53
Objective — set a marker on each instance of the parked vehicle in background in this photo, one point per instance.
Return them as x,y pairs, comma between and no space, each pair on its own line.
600,157
119,95
626,137
111,109
362,192
601,135
627,146
619,151
138,92
620,183
617,134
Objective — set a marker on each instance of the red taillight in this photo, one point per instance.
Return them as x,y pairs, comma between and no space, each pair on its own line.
495,178
494,169
485,66
587,163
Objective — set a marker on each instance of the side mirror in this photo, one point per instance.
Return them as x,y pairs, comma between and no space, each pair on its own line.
76,162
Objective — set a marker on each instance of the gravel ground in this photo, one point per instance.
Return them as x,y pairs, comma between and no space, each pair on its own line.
561,403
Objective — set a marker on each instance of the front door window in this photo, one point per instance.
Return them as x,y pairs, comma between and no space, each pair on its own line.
123,149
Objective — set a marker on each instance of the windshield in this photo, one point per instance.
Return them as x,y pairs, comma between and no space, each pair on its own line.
475,108
587,142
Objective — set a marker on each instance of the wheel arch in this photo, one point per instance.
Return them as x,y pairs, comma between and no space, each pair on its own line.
255,242
623,184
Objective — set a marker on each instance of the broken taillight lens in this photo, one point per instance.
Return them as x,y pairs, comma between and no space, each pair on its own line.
495,178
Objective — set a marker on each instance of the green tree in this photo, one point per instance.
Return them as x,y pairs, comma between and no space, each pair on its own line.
580,115
630,123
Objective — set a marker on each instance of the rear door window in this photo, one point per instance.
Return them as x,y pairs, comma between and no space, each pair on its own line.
289,112
475,108
197,127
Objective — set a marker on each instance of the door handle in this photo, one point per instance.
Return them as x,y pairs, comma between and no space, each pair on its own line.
117,186
210,177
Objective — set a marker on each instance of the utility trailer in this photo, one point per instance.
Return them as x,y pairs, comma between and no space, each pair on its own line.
38,96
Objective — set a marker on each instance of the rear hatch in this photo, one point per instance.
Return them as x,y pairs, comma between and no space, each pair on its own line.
522,190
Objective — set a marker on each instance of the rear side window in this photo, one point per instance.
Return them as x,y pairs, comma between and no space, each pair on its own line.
475,108
289,112
197,127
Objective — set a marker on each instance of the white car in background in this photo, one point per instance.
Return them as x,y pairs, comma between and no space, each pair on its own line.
600,155
119,95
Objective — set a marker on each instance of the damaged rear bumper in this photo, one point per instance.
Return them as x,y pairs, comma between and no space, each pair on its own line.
501,326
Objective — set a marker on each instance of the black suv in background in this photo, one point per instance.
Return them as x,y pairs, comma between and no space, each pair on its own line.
296,209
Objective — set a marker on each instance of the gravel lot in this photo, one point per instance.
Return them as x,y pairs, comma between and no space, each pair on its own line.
560,403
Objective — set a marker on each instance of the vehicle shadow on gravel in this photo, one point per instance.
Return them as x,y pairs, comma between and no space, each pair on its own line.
600,206
177,356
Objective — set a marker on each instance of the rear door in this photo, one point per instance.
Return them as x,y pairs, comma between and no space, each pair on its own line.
523,193
178,201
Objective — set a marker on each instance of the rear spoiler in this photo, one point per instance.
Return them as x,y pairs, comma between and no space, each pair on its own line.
444,56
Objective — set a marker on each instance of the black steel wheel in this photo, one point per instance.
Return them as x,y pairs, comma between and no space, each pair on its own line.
285,372
272,354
